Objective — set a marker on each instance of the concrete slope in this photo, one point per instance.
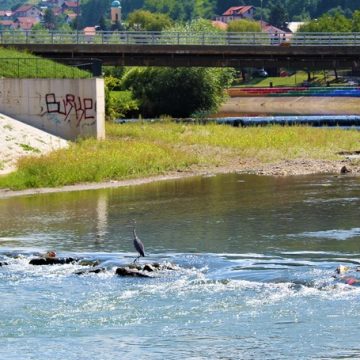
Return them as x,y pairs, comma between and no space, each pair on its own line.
18,139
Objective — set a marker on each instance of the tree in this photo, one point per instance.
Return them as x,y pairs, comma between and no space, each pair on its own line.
92,11
355,22
278,15
50,20
328,23
244,26
146,20
104,24
128,6
179,92
204,8
177,10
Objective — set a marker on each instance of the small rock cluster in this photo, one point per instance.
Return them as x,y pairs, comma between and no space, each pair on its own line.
92,266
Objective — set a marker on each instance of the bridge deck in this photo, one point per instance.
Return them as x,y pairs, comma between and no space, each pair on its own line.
314,51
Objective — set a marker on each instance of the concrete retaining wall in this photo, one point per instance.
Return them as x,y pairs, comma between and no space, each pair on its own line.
69,108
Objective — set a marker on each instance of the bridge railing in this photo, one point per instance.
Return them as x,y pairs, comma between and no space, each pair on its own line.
179,38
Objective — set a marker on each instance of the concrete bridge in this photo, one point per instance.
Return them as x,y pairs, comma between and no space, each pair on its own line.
296,51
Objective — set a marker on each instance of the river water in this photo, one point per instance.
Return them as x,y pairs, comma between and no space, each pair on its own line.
256,262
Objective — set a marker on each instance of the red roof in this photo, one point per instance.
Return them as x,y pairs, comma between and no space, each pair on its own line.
71,4
71,15
237,10
266,27
24,8
90,30
57,10
26,23
6,22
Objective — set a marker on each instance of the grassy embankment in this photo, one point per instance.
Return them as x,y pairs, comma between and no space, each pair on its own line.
15,64
145,149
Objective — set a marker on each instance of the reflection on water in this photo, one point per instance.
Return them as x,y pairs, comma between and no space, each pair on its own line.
257,258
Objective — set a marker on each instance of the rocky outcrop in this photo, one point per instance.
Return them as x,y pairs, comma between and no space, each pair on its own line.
146,270
53,261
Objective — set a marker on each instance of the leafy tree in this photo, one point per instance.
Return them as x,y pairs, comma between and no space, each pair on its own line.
355,23
199,25
278,15
204,8
128,6
179,92
116,26
104,24
38,27
244,26
328,23
149,21
177,10
64,27
92,11
50,20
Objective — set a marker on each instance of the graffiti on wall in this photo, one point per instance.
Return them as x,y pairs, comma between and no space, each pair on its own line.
70,107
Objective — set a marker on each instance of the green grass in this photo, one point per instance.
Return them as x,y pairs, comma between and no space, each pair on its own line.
146,149
30,148
296,79
15,64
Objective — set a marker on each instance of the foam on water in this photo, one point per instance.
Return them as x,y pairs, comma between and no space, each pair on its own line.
336,234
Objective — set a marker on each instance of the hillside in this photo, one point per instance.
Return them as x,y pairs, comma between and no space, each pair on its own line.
293,10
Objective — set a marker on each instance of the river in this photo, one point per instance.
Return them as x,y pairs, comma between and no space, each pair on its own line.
256,261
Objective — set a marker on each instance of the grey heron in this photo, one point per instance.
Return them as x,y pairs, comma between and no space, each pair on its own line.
138,245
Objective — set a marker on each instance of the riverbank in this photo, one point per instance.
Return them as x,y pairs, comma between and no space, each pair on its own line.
283,168
146,152
300,105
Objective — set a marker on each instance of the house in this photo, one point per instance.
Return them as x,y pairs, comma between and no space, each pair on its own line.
57,10
25,23
270,29
237,13
70,18
58,3
28,10
70,5
89,33
7,24
5,14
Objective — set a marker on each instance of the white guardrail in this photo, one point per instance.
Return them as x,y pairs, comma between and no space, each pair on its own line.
179,38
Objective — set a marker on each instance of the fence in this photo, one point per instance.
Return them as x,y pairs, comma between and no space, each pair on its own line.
179,38
338,91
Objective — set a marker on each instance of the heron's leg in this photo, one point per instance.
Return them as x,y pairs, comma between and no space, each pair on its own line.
136,259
